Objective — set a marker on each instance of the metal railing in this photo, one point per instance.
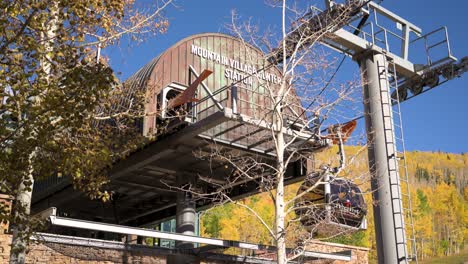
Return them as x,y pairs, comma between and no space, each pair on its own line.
441,42
51,214
376,33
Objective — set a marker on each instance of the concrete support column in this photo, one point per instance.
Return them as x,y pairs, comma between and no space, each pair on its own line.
388,213
185,218
185,223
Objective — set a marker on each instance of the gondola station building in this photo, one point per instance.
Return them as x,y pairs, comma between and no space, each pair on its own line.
221,85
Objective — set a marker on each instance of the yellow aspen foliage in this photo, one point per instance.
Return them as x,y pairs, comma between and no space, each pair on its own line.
438,184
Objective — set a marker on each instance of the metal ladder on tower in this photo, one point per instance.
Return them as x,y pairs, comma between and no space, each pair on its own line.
400,163
387,84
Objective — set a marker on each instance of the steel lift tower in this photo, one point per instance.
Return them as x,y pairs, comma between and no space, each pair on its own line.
380,41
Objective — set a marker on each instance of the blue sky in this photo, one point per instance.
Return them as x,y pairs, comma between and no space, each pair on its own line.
436,120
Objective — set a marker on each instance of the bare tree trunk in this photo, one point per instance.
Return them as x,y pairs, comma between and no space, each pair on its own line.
280,203
422,248
23,205
280,209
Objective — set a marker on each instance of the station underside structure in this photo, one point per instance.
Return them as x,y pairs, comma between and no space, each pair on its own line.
146,182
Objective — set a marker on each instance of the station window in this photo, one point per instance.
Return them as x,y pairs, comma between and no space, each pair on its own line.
168,93
170,119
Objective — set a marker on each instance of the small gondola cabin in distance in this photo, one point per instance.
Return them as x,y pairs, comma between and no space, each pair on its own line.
208,91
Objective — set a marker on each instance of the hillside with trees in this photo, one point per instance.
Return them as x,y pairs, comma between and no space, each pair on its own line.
438,185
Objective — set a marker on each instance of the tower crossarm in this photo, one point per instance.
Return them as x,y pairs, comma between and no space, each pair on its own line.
333,28
313,26
379,31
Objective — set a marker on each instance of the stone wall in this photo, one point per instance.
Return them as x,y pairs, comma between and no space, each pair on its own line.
5,209
359,254
46,252
5,241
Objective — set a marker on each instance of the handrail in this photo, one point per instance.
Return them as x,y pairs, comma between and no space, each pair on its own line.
427,34
428,47
127,230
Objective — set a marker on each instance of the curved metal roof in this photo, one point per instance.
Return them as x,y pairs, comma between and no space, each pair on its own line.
141,77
